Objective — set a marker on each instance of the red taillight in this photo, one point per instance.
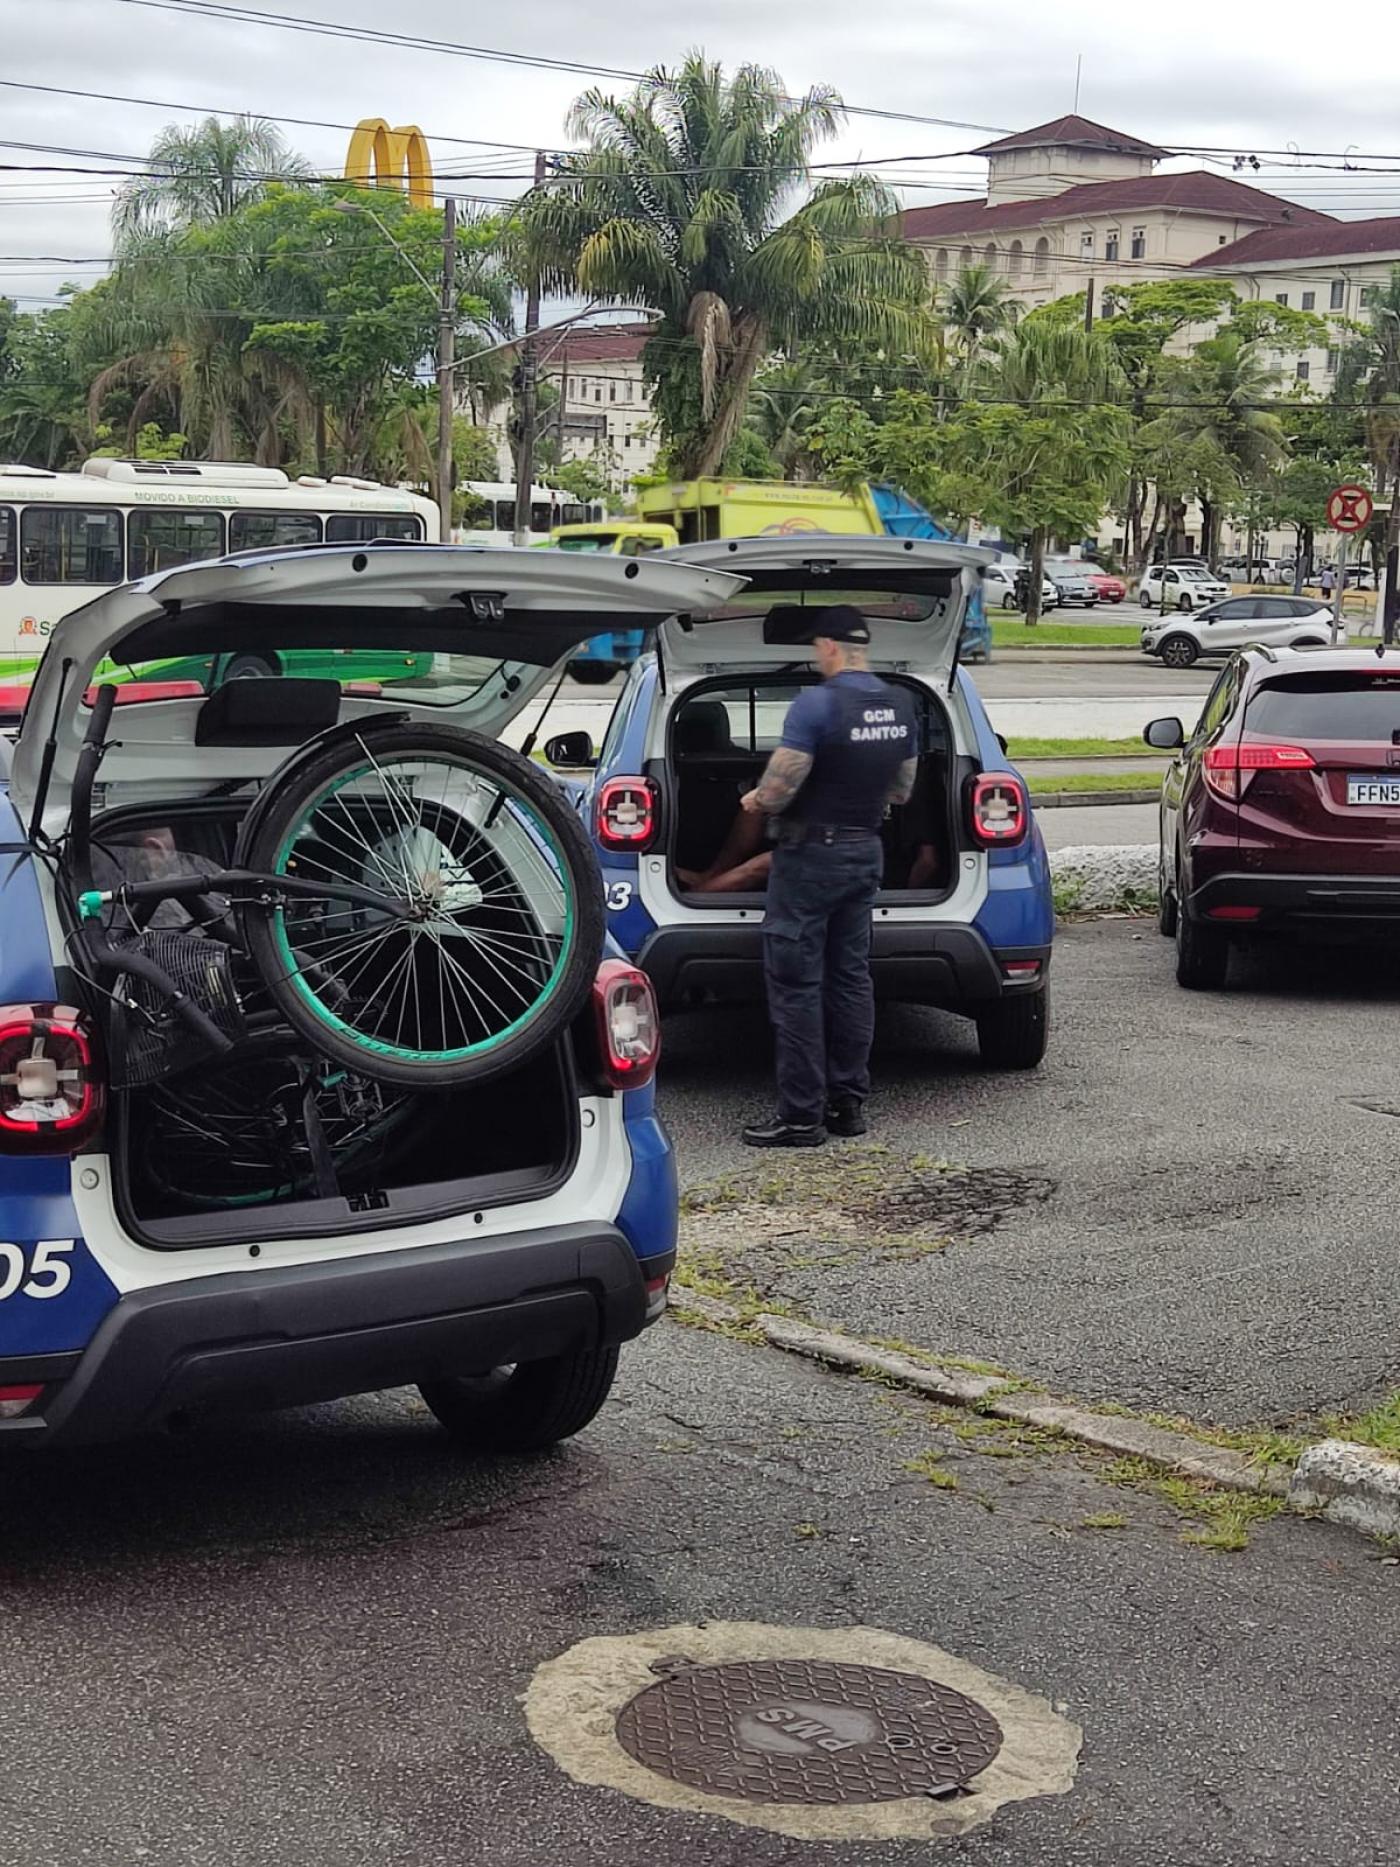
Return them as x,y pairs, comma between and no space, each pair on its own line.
1233,914
133,693
1230,768
629,1024
51,1094
627,814
1021,968
998,807
18,1399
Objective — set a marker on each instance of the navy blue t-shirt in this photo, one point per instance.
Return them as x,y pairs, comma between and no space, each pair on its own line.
859,730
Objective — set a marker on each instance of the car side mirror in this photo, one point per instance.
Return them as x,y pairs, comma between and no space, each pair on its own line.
1164,735
571,749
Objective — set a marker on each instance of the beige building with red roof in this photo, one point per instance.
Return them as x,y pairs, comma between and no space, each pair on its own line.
1072,201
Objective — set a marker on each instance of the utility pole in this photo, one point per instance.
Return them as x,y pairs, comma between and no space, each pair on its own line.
447,339
1089,305
525,461
563,394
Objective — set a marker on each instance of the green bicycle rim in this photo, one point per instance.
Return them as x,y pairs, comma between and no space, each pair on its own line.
376,1046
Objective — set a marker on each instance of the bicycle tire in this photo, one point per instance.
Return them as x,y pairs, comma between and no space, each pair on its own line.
326,783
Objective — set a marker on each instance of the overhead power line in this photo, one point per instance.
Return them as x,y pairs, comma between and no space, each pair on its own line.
375,35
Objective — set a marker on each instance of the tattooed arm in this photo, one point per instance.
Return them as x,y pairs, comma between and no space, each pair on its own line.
785,775
902,789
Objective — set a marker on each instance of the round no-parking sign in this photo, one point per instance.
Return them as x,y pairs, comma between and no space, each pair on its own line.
1349,509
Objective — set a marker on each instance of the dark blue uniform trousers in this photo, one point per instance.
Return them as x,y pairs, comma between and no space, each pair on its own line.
816,962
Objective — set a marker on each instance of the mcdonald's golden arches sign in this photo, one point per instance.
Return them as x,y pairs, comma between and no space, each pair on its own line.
384,158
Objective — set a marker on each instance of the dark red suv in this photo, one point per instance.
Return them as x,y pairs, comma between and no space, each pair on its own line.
1281,811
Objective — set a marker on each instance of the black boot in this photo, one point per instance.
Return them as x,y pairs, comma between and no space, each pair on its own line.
780,1133
846,1118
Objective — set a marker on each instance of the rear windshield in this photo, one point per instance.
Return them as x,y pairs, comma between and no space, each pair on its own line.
895,597
594,541
1329,706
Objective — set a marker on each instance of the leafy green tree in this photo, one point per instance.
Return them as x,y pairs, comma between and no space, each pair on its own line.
1141,323
587,480
201,174
683,203
1035,453
42,418
787,398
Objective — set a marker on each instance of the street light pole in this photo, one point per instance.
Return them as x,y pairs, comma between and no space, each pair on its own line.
529,367
447,334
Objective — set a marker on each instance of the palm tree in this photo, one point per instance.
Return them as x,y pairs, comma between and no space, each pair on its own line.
202,174
787,397
976,307
680,204
1225,384
1065,383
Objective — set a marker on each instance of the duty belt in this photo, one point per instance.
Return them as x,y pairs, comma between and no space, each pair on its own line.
791,834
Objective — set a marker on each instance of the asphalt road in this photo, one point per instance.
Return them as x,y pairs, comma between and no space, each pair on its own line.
306,1640
1218,1237
1076,825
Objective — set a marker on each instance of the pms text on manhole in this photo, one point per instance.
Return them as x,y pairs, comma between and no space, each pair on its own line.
808,1731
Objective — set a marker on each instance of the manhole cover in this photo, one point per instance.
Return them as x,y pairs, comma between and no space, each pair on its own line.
810,1731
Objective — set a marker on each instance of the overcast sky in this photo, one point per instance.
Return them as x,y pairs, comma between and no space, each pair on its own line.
1252,76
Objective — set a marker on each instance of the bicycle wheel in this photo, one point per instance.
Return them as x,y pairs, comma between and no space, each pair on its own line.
493,920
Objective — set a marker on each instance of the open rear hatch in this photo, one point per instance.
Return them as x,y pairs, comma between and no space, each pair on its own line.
484,628
913,592
737,668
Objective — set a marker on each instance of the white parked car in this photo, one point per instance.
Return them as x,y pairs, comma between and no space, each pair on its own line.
999,582
1239,621
1189,587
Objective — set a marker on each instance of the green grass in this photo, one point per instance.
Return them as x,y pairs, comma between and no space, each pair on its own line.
1065,634
1094,781
1222,1519
929,1465
1078,748
1379,1428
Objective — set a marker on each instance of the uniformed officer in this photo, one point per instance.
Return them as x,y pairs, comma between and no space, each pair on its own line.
849,750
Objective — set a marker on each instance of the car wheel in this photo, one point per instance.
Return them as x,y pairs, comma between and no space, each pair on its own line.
526,1407
1202,954
1179,651
1145,598
1013,1033
248,668
1008,599
1184,604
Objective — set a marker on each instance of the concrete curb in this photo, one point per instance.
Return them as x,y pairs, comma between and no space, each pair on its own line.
1007,1399
1350,1484
1067,800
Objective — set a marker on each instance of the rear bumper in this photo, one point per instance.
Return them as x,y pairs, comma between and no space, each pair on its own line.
1359,903
952,966
288,1337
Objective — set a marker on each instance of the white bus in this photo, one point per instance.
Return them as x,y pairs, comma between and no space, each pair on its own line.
65,537
491,519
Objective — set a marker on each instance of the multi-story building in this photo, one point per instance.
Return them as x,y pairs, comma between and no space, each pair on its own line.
1335,269
1073,201
604,411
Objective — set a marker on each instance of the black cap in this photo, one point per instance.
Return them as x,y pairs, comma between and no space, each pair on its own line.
843,622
